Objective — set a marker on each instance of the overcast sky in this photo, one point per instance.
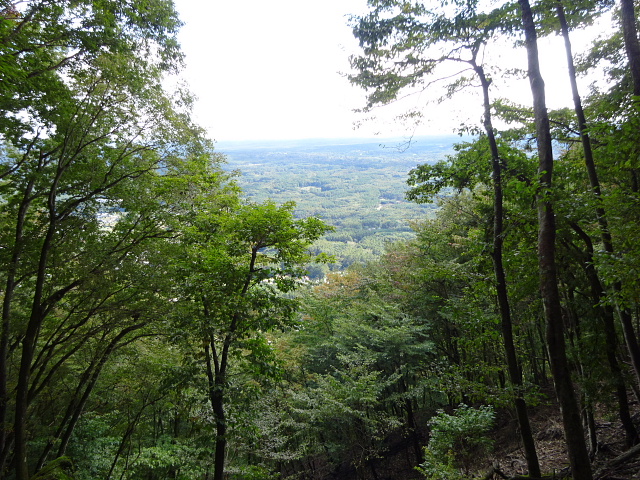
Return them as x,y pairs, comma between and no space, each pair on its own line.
272,70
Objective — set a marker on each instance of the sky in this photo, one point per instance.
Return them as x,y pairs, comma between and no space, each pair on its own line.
275,70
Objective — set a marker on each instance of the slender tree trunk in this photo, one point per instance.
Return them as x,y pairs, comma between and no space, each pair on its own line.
216,373
625,317
6,318
630,336
76,407
534,361
217,364
574,434
575,339
125,438
632,47
10,285
30,339
69,413
22,402
606,316
515,374
411,422
631,43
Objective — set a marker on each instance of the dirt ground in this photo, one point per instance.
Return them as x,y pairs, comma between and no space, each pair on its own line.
507,457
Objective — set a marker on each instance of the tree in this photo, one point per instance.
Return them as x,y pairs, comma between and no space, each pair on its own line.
455,440
607,242
355,319
89,137
461,39
41,40
578,455
239,270
631,42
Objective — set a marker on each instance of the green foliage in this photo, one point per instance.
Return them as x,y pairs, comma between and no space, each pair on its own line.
92,148
358,188
59,469
440,466
339,414
359,366
236,271
253,472
46,45
454,441
469,168
127,253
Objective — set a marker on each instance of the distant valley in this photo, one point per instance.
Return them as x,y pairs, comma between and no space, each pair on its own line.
357,186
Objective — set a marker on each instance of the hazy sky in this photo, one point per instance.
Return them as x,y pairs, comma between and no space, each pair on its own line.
272,70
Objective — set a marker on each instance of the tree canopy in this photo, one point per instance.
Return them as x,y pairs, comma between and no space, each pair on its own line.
157,324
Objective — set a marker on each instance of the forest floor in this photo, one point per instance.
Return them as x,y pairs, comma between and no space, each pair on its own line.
507,461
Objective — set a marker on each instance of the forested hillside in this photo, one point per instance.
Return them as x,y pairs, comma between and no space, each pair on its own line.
158,322
356,186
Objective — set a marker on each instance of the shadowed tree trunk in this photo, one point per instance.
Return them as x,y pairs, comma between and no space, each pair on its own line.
515,375
216,373
574,435
631,43
10,286
625,318
632,47
217,360
606,316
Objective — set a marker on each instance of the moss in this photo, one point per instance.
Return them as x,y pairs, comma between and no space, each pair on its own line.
58,469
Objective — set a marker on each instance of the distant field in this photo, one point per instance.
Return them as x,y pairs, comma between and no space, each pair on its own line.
357,186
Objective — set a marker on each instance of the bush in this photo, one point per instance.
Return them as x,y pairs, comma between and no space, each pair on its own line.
59,469
254,472
455,440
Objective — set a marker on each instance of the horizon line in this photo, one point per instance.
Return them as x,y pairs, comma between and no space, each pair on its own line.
350,140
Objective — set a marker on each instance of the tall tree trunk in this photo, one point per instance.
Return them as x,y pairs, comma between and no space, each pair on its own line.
574,334
574,434
515,374
6,317
85,386
625,317
217,364
631,43
216,373
29,341
412,425
632,47
630,336
131,427
606,316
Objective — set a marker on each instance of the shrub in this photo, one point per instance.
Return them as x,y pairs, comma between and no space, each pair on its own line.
455,439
